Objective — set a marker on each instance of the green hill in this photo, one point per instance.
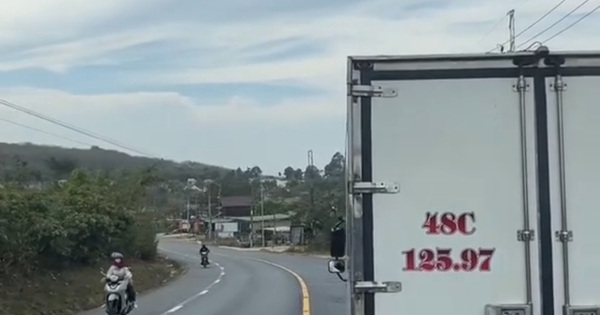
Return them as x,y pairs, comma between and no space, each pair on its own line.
50,162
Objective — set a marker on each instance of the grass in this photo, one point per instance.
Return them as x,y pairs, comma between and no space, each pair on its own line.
72,291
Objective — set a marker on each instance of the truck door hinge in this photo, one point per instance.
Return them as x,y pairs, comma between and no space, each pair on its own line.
375,188
521,86
377,287
559,85
508,309
372,91
525,235
564,236
582,310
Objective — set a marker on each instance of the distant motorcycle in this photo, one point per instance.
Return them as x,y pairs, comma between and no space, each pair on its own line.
117,302
204,259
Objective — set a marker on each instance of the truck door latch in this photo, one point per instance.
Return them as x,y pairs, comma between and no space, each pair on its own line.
377,287
375,188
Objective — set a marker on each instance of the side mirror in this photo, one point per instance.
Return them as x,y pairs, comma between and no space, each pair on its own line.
337,247
336,266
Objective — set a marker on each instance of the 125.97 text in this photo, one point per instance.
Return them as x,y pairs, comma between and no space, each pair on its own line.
440,259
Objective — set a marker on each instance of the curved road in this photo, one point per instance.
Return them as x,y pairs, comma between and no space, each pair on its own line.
243,282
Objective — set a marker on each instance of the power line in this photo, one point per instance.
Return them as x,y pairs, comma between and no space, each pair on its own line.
530,25
541,18
523,2
553,24
491,29
43,131
71,127
572,24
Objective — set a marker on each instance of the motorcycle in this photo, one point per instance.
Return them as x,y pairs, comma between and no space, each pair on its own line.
117,302
204,259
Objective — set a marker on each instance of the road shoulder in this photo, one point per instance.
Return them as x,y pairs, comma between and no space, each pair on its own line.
78,289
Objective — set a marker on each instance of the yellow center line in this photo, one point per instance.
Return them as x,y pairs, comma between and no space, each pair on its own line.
303,286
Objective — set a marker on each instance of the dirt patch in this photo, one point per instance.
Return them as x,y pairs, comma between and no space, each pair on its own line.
72,291
305,250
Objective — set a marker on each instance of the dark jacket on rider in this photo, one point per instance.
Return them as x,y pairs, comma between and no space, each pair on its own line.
204,250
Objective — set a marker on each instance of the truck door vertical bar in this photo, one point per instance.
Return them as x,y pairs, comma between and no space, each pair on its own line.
522,88
354,228
367,176
543,179
564,235
362,260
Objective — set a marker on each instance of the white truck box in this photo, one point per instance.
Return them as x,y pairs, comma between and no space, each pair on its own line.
474,184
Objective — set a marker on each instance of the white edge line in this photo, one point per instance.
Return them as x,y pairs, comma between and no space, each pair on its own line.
199,294
293,273
175,309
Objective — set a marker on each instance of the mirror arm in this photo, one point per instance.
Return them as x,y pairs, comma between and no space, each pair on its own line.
341,278
339,223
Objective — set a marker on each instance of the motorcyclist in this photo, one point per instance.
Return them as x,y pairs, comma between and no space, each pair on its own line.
120,269
204,251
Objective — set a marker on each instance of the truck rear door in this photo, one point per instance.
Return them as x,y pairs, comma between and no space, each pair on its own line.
454,161
573,116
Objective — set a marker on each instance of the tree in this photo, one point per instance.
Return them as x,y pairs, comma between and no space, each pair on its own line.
335,168
254,172
322,199
312,173
61,167
236,183
289,173
55,163
298,174
77,223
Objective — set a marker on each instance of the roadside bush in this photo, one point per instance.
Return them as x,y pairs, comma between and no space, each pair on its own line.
231,242
145,243
320,243
77,224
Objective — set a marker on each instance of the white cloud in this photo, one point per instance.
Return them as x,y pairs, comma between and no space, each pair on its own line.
174,126
362,31
34,21
235,110
94,51
60,36
372,27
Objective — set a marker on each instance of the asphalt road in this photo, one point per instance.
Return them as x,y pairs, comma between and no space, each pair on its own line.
249,283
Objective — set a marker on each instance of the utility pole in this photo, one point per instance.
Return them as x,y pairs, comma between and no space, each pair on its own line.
252,224
207,183
511,29
262,211
310,182
210,218
188,208
274,228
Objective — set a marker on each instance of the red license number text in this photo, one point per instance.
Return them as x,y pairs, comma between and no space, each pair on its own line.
449,223
440,259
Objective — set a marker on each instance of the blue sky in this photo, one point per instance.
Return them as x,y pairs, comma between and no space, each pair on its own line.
234,82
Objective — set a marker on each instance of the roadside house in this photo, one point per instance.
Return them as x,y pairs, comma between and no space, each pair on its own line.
236,206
